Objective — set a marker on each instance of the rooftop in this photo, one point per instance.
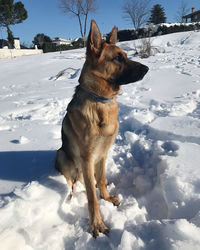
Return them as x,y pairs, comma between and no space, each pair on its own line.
192,14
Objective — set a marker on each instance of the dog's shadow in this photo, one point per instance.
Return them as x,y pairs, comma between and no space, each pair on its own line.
26,166
18,168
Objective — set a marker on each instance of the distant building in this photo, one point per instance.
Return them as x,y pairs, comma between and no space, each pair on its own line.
61,41
18,50
194,16
4,44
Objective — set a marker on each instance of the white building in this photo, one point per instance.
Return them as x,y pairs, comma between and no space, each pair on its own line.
61,41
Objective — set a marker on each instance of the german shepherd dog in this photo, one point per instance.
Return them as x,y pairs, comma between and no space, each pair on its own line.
90,126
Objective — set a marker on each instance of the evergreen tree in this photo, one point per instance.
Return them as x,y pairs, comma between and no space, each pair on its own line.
11,13
44,42
157,15
41,39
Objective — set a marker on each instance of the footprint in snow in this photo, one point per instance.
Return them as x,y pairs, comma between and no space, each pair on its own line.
21,140
170,148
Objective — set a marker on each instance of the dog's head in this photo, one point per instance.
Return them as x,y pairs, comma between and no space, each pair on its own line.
108,62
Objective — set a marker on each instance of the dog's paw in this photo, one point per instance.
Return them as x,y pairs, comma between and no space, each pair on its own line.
98,227
114,200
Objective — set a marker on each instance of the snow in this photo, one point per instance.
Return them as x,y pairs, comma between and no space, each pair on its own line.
153,167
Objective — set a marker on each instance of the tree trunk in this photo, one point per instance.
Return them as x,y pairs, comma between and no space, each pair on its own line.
81,28
10,38
85,29
85,25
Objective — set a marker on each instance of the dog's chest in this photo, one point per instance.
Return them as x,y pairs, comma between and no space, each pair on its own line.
107,130
107,123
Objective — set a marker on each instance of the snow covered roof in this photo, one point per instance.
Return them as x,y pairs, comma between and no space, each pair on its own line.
61,39
192,14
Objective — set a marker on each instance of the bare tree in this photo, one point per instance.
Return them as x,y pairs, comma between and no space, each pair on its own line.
137,11
182,11
79,9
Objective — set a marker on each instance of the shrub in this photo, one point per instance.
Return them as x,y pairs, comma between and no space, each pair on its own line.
127,35
146,48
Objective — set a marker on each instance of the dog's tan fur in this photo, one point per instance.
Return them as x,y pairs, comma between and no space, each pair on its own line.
90,126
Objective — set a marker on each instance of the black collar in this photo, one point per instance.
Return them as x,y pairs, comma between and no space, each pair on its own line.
96,97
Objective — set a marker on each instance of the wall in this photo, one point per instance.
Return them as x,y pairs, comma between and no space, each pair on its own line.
16,43
8,53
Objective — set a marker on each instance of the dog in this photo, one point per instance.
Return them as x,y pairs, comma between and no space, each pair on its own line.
90,126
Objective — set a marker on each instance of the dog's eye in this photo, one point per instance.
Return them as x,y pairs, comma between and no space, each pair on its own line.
119,57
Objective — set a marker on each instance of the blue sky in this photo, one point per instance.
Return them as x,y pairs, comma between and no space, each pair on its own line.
45,17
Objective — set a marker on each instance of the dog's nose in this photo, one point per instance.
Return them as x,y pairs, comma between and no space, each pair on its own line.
145,69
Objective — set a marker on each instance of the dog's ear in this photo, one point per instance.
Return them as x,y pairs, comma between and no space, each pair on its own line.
113,36
94,39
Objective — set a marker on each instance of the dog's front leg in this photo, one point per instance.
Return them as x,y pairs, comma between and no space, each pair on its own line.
102,182
96,223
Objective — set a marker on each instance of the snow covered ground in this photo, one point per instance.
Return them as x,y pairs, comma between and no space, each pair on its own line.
153,167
